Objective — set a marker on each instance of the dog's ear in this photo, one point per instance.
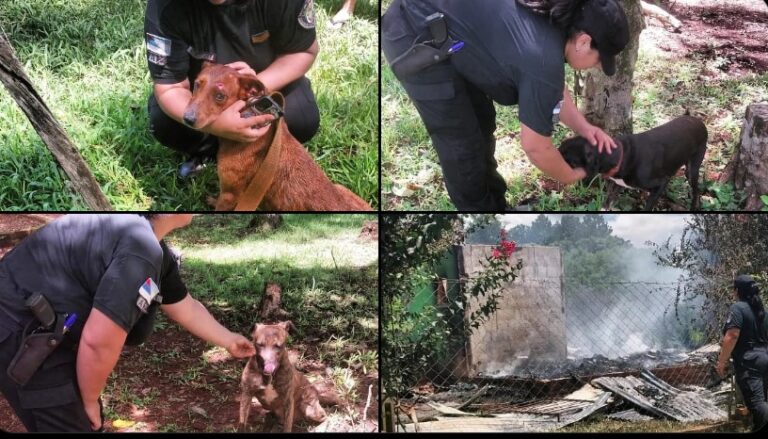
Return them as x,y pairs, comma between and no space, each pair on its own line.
288,326
591,159
255,329
250,87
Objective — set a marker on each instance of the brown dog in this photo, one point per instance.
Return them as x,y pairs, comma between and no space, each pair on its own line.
272,379
298,184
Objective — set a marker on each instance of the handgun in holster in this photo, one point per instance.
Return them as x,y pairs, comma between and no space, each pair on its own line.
425,53
40,337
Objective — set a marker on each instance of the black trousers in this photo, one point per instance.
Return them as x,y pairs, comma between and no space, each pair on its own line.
459,117
752,379
50,401
301,115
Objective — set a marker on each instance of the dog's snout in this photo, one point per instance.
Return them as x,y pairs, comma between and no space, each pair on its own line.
190,117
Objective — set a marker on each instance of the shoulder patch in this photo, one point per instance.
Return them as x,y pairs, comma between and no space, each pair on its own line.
158,45
148,291
158,49
307,15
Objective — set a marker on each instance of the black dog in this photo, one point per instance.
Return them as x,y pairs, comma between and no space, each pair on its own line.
647,160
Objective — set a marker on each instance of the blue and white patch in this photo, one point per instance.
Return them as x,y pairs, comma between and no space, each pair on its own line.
147,293
158,45
307,15
556,113
158,49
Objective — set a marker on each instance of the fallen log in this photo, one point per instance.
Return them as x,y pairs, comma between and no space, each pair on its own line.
661,14
18,84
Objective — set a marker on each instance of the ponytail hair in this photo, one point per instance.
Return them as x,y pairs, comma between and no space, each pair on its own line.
747,290
564,14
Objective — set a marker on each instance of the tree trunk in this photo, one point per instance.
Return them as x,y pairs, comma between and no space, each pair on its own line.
15,80
608,100
749,166
369,231
271,306
266,222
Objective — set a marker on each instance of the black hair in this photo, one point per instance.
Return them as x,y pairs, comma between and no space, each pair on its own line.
149,216
747,290
564,14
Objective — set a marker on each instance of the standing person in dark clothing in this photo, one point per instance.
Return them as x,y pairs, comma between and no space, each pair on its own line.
746,341
456,58
102,279
273,41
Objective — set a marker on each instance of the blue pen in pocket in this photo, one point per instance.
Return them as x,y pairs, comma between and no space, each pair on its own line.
69,322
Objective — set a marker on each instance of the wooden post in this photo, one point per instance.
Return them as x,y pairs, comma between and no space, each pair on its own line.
18,84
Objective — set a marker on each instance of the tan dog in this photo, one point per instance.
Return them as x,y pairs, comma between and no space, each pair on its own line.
298,183
275,382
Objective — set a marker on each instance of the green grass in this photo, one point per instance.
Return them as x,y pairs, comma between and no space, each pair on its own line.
323,269
663,88
86,58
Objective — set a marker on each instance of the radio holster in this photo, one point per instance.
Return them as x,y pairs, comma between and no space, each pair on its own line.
424,53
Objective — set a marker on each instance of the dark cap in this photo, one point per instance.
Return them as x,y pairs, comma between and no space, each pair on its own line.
743,281
606,23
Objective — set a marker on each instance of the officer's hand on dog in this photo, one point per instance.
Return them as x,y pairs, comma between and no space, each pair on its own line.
230,125
240,347
598,137
243,69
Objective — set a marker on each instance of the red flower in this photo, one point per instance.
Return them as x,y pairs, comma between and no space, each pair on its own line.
496,254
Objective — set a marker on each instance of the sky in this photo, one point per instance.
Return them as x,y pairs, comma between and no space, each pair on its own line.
636,228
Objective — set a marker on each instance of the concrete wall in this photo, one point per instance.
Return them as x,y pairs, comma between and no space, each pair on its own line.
529,325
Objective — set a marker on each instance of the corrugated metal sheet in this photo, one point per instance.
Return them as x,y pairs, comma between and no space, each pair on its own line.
631,415
656,396
539,416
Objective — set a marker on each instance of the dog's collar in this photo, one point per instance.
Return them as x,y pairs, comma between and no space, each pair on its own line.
611,172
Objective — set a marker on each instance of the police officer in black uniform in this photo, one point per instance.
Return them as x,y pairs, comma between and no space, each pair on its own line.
746,341
273,40
105,276
455,58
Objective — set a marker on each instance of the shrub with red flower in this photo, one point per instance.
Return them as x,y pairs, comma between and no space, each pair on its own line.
504,248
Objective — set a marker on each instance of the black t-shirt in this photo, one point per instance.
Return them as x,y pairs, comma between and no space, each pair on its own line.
110,262
740,316
512,54
255,33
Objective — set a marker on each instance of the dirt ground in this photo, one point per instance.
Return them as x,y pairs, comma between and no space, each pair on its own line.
734,31
175,382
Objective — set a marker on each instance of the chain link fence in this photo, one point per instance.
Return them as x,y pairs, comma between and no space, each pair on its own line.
550,336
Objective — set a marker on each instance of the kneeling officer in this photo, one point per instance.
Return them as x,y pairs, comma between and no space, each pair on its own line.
71,295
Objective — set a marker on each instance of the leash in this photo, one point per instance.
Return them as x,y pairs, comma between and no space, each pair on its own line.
611,172
253,195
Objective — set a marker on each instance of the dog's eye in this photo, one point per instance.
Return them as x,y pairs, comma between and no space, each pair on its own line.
278,346
219,97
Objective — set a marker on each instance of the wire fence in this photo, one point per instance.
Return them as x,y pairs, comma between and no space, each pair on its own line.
551,336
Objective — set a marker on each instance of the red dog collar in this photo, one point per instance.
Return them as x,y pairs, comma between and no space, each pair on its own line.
611,172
